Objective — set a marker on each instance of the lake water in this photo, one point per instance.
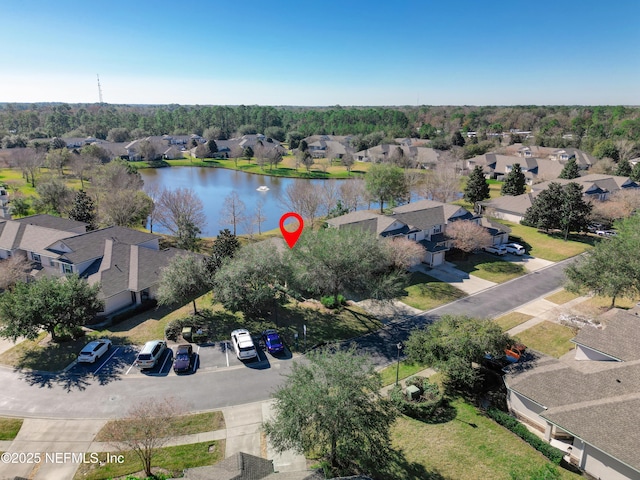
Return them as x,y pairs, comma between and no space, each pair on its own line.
212,185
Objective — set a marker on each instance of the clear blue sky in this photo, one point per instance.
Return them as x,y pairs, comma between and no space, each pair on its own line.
298,52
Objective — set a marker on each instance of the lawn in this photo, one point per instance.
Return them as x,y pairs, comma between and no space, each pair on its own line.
42,354
425,292
187,424
490,267
546,246
9,427
172,460
470,447
598,304
549,338
286,168
388,374
561,297
510,320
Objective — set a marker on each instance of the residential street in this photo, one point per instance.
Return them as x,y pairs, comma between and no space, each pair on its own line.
111,393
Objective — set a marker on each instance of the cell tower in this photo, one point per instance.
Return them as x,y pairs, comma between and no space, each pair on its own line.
99,89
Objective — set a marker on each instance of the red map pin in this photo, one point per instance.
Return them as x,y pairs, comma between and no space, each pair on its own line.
291,237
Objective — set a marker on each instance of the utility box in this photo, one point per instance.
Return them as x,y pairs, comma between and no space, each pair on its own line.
412,392
187,333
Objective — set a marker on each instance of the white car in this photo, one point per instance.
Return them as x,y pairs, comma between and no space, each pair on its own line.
243,344
94,350
514,248
497,249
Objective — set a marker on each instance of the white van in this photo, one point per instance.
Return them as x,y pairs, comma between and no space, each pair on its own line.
150,353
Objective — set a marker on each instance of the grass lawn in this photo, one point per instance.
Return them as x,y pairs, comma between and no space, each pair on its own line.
41,354
561,297
9,427
470,447
549,338
388,374
549,247
425,292
490,267
170,460
188,424
598,304
286,168
510,320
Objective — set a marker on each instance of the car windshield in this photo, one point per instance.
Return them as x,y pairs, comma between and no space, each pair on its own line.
274,339
144,356
86,351
247,349
182,356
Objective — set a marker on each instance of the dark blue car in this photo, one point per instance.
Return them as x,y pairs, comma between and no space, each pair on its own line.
272,341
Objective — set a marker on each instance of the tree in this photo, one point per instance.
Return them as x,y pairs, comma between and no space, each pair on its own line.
304,198
83,210
347,161
213,133
81,165
612,267
53,196
247,153
334,261
570,170
623,169
293,138
57,159
253,281
404,253
148,425
635,172
202,151
606,149
477,188
233,211
442,184
306,159
49,304
352,194
332,406
29,161
181,212
118,135
453,344
274,157
457,139
224,246
385,183
277,133
468,236
514,183
124,207
559,208
184,279
13,270
147,150
259,216
212,146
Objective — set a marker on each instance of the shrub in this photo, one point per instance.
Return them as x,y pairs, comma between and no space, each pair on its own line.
174,328
330,302
429,405
520,430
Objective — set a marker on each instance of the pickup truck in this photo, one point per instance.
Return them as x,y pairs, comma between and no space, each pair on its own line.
496,249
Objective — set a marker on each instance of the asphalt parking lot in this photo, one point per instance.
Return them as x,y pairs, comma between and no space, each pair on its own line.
119,360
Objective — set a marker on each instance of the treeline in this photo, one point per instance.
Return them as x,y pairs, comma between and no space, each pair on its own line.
559,126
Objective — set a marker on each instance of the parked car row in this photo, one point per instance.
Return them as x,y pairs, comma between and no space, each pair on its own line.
500,250
245,349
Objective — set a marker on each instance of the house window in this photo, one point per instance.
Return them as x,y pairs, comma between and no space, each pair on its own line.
67,268
437,229
36,258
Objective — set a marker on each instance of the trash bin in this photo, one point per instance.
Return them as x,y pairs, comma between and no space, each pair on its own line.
412,392
187,333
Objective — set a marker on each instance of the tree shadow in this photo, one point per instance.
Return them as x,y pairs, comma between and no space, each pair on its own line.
399,468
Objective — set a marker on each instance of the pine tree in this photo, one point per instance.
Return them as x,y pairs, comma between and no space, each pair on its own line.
570,170
477,188
624,168
457,139
84,210
514,183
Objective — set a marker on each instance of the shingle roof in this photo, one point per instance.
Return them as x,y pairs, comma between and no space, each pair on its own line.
517,204
49,221
33,238
422,214
90,245
362,219
610,183
618,338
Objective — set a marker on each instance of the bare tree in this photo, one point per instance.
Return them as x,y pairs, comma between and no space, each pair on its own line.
260,154
609,211
259,216
180,210
304,199
468,236
405,253
233,211
330,196
29,161
146,428
605,166
347,161
236,153
57,159
124,207
443,183
153,192
626,149
13,270
274,157
415,183
147,150
81,165
352,194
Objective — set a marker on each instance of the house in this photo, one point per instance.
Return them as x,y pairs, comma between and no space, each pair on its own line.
319,149
226,148
423,221
124,261
507,207
424,157
591,401
595,186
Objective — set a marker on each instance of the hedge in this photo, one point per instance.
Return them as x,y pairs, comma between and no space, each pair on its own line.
507,421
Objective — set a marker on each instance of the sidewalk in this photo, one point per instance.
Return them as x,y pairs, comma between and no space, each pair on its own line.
448,273
242,434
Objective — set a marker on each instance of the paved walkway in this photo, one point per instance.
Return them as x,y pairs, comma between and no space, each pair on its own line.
448,273
242,434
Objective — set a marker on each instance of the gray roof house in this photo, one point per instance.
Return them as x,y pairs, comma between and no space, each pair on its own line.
591,400
508,207
423,156
595,186
423,221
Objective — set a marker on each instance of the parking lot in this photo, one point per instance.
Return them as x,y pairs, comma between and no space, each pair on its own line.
119,360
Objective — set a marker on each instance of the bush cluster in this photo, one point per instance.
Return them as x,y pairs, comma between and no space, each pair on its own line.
330,302
520,430
428,405
174,327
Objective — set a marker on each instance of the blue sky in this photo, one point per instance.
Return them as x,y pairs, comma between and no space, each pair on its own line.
465,52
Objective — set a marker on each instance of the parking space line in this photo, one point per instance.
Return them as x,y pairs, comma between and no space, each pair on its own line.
196,360
164,363
132,365
226,351
105,362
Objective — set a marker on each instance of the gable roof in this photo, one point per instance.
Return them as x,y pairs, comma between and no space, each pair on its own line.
517,204
593,183
90,245
422,214
362,219
33,238
618,339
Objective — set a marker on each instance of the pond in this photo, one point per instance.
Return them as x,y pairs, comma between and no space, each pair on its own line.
212,185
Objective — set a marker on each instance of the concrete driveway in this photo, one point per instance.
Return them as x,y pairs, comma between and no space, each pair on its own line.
448,273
